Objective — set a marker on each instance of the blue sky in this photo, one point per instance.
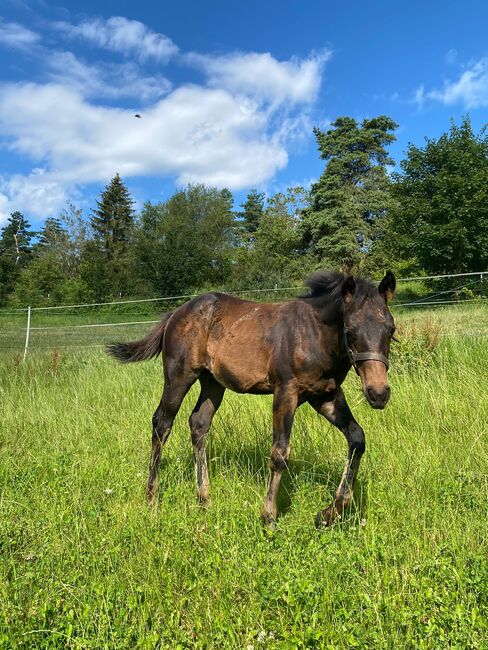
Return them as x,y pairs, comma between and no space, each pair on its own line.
228,91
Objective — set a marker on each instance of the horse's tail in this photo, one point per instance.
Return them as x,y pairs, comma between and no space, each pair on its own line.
147,348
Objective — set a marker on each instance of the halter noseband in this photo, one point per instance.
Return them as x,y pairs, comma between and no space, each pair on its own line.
355,357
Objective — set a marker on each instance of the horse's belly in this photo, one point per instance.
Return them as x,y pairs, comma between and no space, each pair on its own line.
238,365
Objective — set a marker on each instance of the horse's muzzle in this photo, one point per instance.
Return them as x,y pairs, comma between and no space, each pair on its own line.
378,399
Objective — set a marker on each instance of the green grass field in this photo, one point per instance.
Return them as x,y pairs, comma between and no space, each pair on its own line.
85,564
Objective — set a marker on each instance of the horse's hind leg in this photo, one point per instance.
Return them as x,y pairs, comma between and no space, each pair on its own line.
173,395
211,395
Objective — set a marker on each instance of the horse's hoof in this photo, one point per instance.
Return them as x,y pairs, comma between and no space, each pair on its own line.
152,499
268,522
326,518
204,502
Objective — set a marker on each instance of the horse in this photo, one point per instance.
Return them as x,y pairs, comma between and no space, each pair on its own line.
299,350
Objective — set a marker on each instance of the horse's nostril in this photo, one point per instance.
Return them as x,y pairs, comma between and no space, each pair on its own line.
377,395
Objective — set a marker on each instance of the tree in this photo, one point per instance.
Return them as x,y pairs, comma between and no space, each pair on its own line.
442,192
53,273
275,255
52,234
112,223
183,244
253,210
113,218
352,194
15,252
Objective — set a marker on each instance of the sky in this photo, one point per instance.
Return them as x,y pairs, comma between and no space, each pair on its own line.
228,92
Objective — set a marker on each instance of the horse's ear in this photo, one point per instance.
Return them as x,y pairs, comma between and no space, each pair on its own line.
387,286
348,288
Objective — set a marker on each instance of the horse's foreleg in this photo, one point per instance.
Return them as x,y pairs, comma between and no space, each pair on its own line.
211,395
284,406
338,413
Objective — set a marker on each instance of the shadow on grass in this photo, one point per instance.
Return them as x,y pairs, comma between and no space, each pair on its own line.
251,463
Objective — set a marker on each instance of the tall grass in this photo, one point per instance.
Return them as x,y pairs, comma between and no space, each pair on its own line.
85,564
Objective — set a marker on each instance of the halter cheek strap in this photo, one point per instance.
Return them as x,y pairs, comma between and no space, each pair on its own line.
356,357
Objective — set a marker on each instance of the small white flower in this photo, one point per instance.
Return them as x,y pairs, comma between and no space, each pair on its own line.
108,491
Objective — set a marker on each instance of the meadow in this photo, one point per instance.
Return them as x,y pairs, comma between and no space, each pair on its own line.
85,564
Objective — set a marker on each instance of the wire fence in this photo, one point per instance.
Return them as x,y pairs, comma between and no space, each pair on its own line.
91,325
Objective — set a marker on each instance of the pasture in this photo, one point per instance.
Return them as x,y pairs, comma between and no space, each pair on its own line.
85,564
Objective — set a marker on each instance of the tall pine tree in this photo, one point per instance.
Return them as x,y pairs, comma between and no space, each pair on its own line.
352,193
106,259
113,219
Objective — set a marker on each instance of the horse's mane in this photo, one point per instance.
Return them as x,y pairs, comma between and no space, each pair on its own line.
325,291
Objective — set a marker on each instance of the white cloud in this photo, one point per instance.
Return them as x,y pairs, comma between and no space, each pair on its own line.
108,80
38,193
262,77
419,96
118,34
17,36
233,131
194,134
5,207
470,89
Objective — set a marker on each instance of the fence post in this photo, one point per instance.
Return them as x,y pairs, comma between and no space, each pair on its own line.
27,332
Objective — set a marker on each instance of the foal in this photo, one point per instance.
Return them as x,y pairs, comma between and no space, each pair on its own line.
299,350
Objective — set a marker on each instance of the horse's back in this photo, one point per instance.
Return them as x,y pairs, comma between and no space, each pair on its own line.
247,346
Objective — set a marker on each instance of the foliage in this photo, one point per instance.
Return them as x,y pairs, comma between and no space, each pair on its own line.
185,242
112,223
54,274
352,195
275,255
15,252
431,219
113,218
442,194
252,211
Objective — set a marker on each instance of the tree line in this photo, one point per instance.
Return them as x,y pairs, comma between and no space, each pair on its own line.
429,217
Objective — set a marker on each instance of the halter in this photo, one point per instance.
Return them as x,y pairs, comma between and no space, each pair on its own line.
355,357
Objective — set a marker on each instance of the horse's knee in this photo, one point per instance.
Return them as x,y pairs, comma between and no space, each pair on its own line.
161,424
357,441
280,455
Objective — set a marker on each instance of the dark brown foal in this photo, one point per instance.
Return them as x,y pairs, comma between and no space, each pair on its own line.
298,351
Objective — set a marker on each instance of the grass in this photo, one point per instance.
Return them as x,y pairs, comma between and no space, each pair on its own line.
84,563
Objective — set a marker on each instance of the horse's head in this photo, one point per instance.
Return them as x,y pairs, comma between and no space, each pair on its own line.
368,330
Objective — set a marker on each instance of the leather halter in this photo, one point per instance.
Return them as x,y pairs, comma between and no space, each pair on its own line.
356,357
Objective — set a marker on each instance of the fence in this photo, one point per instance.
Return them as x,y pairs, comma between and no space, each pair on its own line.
96,324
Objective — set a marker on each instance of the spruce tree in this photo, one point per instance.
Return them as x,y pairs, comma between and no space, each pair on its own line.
113,219
106,259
